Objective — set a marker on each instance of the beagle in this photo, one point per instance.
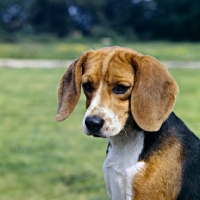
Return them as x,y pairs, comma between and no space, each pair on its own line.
130,97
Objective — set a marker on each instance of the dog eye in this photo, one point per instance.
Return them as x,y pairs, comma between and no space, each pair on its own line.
120,89
88,87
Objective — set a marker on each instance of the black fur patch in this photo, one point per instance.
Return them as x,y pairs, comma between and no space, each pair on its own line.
173,126
107,150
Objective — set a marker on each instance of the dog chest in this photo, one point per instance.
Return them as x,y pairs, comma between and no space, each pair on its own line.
121,165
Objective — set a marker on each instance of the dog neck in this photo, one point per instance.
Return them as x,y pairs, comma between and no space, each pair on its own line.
121,164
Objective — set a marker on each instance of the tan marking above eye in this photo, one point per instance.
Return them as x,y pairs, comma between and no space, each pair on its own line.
86,78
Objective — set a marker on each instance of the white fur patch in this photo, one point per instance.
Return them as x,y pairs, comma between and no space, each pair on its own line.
111,126
121,165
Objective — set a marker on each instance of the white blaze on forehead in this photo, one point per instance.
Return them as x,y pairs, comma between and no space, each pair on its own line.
111,126
97,98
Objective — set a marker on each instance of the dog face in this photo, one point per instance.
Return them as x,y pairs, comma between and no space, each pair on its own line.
107,87
118,83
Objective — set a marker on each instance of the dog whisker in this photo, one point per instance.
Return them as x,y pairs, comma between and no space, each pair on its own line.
121,135
125,132
128,125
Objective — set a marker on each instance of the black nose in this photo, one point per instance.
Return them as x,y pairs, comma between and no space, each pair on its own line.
94,123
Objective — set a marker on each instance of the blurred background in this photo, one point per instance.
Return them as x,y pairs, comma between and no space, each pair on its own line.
46,160
127,19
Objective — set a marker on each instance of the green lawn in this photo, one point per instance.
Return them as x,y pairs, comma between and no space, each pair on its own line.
46,160
70,50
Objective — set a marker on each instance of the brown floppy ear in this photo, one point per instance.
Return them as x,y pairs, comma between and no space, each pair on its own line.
70,89
154,93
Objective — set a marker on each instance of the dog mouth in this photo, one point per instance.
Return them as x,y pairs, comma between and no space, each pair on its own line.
94,134
97,135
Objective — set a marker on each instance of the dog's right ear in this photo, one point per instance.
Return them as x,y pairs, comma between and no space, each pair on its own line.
70,88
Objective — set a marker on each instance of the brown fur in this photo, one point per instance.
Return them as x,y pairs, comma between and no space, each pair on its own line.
70,89
162,173
150,99
168,160
154,93
110,74
149,82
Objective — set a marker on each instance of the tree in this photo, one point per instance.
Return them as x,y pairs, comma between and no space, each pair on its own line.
148,19
50,16
175,20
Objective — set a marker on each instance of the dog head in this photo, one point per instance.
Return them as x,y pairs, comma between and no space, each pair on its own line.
118,83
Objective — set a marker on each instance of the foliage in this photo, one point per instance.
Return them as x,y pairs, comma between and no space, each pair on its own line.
42,159
131,19
177,19
50,16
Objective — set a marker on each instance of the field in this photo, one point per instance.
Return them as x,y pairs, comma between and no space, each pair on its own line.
70,50
43,159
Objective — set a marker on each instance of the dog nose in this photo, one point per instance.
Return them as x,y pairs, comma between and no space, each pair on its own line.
94,123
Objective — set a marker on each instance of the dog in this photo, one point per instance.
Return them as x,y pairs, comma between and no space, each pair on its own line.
130,97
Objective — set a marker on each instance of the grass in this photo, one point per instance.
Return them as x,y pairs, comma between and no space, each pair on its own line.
42,159
70,50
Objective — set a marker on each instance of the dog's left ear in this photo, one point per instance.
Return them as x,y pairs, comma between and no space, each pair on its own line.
70,88
154,93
